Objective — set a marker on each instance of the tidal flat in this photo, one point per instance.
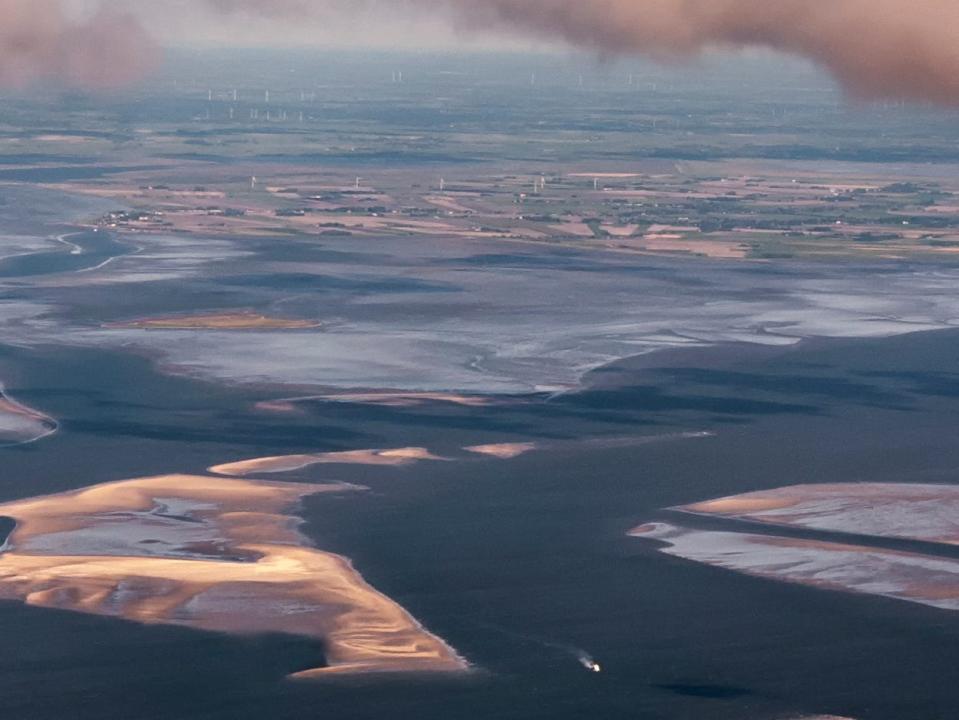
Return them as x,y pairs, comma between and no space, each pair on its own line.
522,563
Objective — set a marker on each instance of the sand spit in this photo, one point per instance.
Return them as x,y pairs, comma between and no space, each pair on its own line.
246,320
503,451
928,513
917,512
508,451
672,244
398,457
831,566
386,399
213,554
20,425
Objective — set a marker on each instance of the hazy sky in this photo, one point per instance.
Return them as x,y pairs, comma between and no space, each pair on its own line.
383,27
342,23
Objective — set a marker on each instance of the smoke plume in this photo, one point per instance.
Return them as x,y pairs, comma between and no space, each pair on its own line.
903,49
42,39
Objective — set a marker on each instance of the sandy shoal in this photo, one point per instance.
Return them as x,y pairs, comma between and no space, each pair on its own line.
217,321
255,573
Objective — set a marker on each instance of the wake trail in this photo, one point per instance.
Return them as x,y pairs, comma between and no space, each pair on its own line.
582,656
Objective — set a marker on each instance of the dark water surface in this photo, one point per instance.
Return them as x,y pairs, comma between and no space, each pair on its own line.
520,564
78,251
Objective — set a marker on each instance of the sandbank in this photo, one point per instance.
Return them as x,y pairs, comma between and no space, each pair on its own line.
912,577
213,554
217,321
503,451
899,510
397,457
925,513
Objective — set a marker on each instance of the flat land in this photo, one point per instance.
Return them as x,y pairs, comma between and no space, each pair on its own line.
746,213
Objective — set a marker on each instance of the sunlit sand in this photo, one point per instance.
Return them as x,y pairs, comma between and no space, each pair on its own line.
288,463
213,554
503,451
928,513
384,398
719,249
919,512
399,457
217,321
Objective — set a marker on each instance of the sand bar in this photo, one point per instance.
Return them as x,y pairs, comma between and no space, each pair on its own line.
896,510
216,321
382,398
830,566
213,554
926,513
397,457
503,451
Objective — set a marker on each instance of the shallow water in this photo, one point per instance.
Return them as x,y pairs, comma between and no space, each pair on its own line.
75,252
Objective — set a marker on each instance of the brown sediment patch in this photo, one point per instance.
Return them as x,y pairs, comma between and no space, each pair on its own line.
740,505
246,320
576,229
922,579
621,231
384,398
212,554
397,457
20,424
451,204
504,451
65,139
915,512
718,249
411,399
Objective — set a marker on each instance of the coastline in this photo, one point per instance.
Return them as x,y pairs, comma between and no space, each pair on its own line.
152,566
